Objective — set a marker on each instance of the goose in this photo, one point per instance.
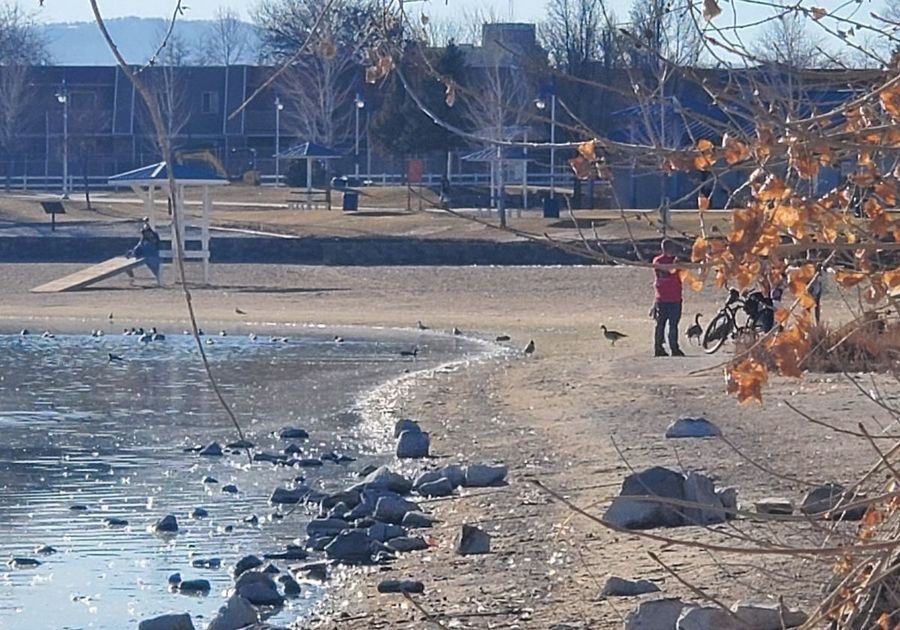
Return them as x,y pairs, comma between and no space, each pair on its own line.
696,330
457,331
25,332
114,357
157,336
410,353
338,339
529,349
612,335
145,337
127,332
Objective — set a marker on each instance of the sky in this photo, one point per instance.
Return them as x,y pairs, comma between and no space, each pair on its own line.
79,10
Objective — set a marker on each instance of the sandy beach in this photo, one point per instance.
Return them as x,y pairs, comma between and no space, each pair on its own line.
577,416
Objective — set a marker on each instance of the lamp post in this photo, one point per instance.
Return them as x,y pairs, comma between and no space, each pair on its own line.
359,105
541,103
63,97
279,107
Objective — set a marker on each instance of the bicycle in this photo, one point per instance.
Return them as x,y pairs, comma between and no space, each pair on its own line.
725,324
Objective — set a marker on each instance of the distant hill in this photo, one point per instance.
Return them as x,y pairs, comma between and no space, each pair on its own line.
80,43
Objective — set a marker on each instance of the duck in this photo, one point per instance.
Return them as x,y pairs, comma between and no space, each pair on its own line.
252,336
338,339
530,348
25,332
114,357
695,331
612,335
456,331
48,335
222,333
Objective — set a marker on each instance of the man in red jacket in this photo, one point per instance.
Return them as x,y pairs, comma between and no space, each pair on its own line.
667,308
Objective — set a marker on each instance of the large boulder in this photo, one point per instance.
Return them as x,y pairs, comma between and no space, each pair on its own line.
413,445
708,509
707,618
416,520
655,614
404,544
383,532
288,496
247,563
628,513
168,524
197,586
472,541
827,499
293,433
168,622
258,588
350,546
393,509
620,587
692,428
236,613
405,425
319,527
439,488
768,615
484,475
385,479
211,450
454,474
775,505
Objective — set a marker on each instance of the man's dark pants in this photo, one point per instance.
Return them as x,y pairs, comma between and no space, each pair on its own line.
667,313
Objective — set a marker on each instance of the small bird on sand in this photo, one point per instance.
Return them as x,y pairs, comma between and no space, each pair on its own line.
239,311
502,338
456,331
410,353
421,326
529,349
114,357
695,331
612,335
110,317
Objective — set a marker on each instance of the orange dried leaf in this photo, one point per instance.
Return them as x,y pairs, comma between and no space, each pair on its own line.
892,278
884,621
872,518
890,102
587,150
749,377
735,150
702,202
849,279
699,250
818,13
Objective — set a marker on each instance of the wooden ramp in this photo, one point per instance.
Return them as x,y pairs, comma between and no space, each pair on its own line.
91,275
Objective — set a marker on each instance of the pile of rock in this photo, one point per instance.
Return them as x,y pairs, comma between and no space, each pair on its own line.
690,499
668,613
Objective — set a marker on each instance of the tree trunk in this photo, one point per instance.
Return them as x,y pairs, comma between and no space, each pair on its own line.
87,183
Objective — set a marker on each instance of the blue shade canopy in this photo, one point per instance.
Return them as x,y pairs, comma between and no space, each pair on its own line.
309,151
188,174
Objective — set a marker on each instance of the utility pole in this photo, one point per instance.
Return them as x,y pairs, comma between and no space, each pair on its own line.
63,97
279,106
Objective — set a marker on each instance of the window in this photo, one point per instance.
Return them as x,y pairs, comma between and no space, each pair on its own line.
209,102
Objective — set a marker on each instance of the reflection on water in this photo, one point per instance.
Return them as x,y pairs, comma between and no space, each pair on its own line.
81,431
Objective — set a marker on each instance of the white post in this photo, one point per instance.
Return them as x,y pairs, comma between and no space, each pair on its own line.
278,107
553,144
309,164
63,97
204,233
358,105
525,175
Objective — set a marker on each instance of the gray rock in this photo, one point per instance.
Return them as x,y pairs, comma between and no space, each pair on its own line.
292,449
393,509
401,586
827,500
174,579
383,532
290,585
405,425
270,458
236,613
211,450
199,512
325,527
413,445
307,462
292,552
293,433
112,521
405,544
349,498
620,587
728,499
313,571
472,541
455,474
194,586
416,520
427,477
768,615
241,445
484,475
775,505
629,513
168,524
352,546
168,622
45,550
707,618
230,488
288,496
655,614
700,490
247,563
258,588
692,428
384,479
439,488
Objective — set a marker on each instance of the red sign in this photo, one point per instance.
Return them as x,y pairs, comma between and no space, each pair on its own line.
414,171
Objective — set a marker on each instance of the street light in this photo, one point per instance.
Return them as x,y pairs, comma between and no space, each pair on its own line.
360,104
541,103
63,97
279,107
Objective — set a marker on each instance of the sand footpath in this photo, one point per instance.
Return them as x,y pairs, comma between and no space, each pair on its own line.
577,416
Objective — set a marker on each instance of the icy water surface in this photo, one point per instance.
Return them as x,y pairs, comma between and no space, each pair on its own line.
78,430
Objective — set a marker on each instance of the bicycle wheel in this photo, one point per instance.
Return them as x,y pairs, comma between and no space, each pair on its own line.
717,332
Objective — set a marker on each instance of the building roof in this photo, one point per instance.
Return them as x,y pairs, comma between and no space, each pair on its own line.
309,151
185,174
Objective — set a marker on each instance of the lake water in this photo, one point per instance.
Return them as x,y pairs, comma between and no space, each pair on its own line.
111,436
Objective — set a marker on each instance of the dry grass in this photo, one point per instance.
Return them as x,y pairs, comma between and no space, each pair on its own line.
868,344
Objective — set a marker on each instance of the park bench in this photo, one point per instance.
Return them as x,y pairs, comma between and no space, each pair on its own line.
307,200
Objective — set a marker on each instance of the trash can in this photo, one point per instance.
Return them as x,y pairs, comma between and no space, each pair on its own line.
351,201
551,208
